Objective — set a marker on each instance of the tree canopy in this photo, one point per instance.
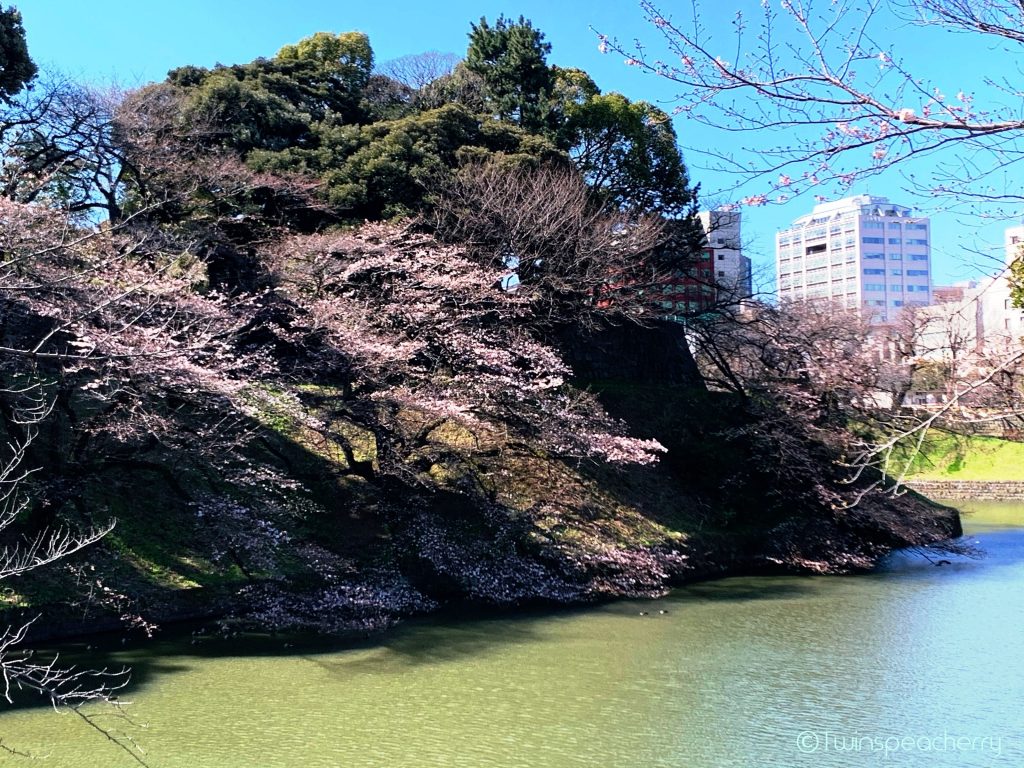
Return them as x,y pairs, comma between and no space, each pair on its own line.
16,67
382,147
627,152
511,57
347,54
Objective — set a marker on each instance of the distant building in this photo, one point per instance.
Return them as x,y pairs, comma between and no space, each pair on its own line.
981,321
685,286
975,318
718,276
689,290
943,294
859,252
730,268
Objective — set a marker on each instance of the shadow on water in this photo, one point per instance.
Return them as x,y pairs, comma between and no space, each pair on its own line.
440,639
455,636
447,638
745,589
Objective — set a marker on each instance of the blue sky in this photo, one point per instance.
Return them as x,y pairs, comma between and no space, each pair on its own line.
132,43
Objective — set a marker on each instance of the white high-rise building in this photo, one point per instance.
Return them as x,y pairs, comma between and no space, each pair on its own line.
1014,243
860,251
731,269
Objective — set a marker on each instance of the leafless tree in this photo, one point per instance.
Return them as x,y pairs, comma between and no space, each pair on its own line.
417,70
543,228
58,146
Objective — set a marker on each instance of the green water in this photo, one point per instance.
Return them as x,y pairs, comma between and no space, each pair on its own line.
923,661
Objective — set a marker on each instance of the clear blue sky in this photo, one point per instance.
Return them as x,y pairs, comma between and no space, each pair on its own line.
132,43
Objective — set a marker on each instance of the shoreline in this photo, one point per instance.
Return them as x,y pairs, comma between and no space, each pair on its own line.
223,615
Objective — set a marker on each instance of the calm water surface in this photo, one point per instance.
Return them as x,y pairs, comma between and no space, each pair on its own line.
916,665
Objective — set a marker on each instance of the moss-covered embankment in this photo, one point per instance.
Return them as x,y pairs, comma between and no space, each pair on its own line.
308,535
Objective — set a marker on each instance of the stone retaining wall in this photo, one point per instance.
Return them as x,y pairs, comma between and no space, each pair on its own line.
1004,490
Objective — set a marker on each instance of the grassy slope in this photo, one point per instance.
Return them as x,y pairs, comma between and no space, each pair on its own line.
959,457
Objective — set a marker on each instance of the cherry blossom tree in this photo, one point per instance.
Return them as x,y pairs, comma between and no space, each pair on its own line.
816,98
429,335
827,82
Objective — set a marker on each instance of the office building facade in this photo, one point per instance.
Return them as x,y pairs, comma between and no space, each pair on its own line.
859,252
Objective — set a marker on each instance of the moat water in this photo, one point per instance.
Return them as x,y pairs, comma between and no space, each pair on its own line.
915,665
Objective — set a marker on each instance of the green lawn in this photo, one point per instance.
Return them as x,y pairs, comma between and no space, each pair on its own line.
957,457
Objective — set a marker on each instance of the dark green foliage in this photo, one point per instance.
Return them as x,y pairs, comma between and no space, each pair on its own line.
626,150
510,57
16,67
386,169
385,98
268,103
379,146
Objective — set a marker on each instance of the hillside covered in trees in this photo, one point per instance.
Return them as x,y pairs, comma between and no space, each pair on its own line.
335,343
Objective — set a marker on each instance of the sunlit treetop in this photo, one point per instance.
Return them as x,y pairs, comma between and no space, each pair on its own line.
348,52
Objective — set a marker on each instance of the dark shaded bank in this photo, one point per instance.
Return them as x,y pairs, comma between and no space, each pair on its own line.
447,571
310,540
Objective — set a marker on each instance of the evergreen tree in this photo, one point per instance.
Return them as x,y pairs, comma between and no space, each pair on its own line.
510,57
16,67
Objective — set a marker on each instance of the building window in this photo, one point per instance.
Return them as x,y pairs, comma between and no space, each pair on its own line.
895,241
873,240
916,241
874,286
896,272
721,257
918,257
874,271
897,303
917,272
874,256
895,257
